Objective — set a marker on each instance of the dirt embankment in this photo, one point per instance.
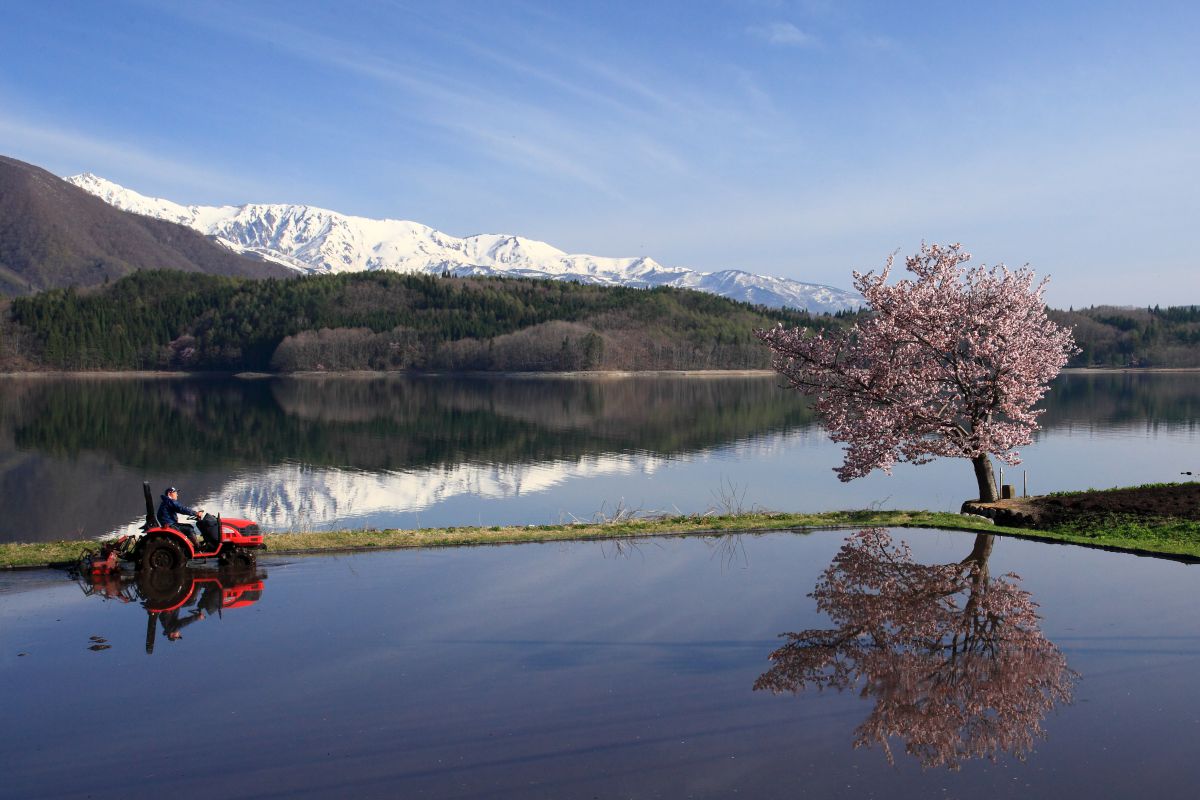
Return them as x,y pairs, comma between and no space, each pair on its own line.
1175,501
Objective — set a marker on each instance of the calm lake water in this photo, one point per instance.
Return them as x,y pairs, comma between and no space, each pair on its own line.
316,453
591,670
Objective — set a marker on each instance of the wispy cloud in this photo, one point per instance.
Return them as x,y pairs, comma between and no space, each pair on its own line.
56,147
504,128
782,33
874,41
543,108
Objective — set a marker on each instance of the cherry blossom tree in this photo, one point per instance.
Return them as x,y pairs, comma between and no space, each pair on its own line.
953,658
947,363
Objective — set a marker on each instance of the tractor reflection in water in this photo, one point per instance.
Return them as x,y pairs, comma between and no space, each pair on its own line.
954,658
177,598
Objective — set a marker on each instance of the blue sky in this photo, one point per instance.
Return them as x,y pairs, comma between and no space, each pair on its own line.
801,139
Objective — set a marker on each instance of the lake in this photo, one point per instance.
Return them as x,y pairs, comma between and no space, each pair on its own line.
313,453
635,670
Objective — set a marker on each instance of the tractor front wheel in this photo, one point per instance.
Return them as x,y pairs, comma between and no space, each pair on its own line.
237,558
162,553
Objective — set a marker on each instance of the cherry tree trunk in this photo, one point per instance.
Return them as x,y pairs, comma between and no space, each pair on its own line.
987,481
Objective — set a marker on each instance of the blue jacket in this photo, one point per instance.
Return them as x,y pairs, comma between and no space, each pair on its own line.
169,511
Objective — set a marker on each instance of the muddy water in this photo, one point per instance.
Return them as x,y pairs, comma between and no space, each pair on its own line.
588,670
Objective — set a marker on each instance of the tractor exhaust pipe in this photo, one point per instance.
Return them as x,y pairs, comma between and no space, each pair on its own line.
151,514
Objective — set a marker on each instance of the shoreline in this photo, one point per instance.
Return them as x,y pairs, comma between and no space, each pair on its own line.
369,374
46,555
597,374
1102,370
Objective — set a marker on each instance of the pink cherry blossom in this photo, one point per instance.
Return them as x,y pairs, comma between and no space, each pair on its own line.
948,363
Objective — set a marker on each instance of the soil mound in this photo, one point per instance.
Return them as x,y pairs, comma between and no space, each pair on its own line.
1178,501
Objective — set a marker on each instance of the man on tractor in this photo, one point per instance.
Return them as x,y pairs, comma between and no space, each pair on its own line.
170,509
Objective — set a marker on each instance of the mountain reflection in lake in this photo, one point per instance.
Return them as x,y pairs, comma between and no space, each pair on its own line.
398,451
954,659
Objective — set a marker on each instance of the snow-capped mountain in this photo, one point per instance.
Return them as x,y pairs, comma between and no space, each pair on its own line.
315,240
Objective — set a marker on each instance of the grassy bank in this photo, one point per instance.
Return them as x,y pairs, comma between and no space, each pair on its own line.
1173,537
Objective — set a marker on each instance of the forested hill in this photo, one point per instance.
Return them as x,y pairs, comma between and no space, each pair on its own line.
1109,336
380,321
389,321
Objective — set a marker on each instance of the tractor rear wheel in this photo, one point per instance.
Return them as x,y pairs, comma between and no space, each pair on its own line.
162,553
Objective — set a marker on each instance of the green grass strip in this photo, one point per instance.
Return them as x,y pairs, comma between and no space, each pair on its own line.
1171,537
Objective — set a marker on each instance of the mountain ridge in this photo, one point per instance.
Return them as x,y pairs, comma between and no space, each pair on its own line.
52,234
310,240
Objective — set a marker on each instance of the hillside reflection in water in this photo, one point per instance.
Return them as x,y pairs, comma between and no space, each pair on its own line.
311,453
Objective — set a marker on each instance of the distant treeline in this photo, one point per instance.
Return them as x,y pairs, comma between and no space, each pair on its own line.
381,321
1109,336
157,319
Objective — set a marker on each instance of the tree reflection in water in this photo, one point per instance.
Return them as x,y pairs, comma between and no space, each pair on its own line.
954,658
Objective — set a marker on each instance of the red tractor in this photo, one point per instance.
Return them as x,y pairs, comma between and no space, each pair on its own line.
163,547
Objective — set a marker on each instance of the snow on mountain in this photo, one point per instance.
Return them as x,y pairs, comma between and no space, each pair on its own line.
316,240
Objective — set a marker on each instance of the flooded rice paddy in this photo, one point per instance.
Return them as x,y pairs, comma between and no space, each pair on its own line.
657,668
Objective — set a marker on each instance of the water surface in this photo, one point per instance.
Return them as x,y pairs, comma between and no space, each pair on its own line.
314,453
592,670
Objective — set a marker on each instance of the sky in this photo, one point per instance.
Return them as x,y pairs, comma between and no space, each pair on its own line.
801,139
